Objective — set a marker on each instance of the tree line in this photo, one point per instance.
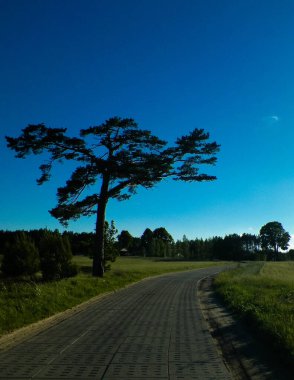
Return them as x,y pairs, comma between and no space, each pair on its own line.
27,253
114,159
270,244
24,253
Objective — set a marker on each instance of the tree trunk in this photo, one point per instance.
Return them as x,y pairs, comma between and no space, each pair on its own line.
276,252
99,258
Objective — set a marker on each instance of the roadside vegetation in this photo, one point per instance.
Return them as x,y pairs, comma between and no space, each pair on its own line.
262,293
24,301
42,272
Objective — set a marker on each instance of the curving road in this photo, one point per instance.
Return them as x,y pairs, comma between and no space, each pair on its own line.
151,330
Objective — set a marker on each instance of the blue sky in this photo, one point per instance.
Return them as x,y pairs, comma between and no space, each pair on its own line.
172,65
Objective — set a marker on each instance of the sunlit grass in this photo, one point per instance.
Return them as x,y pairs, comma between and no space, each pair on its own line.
22,303
263,293
152,267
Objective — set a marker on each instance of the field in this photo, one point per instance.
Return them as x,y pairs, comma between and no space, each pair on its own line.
263,294
22,303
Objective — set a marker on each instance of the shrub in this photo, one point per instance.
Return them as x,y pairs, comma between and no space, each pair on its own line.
110,248
56,257
21,257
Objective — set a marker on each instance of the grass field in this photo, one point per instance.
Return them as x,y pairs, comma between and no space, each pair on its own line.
22,303
263,293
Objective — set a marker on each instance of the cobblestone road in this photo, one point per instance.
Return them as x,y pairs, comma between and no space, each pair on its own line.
151,330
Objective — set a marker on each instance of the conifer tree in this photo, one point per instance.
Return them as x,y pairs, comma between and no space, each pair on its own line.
113,158
21,257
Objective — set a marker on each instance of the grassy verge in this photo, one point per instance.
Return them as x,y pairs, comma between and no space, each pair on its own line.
22,303
263,294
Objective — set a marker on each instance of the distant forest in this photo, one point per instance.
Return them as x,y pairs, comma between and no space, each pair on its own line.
160,243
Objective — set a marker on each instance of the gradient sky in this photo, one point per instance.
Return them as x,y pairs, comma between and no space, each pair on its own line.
172,65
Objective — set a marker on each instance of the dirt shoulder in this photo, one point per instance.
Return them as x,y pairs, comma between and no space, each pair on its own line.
245,355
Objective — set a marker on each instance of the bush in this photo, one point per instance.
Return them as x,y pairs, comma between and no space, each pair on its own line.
56,257
21,257
69,270
110,247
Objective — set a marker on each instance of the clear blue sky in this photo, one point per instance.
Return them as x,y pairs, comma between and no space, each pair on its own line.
172,65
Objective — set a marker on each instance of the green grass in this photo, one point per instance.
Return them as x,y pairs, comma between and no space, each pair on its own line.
22,303
263,294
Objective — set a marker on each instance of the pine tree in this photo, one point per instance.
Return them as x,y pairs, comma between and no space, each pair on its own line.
21,257
120,157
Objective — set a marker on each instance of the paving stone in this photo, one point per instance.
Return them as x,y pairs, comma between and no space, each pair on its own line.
27,358
140,358
18,371
35,348
156,341
84,358
110,347
198,370
129,371
70,371
136,378
99,338
151,330
148,348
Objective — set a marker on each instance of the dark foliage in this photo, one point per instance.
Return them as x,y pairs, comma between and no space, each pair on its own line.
273,237
21,256
56,257
231,247
120,157
125,240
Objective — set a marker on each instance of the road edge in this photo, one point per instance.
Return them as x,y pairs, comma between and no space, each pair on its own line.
245,355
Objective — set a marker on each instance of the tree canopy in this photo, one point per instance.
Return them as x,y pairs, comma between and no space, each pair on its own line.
273,236
125,239
162,234
114,158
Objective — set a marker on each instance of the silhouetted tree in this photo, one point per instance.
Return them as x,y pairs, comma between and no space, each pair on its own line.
291,254
250,245
146,241
136,248
125,240
82,243
111,248
185,247
273,236
162,234
21,256
56,256
119,155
